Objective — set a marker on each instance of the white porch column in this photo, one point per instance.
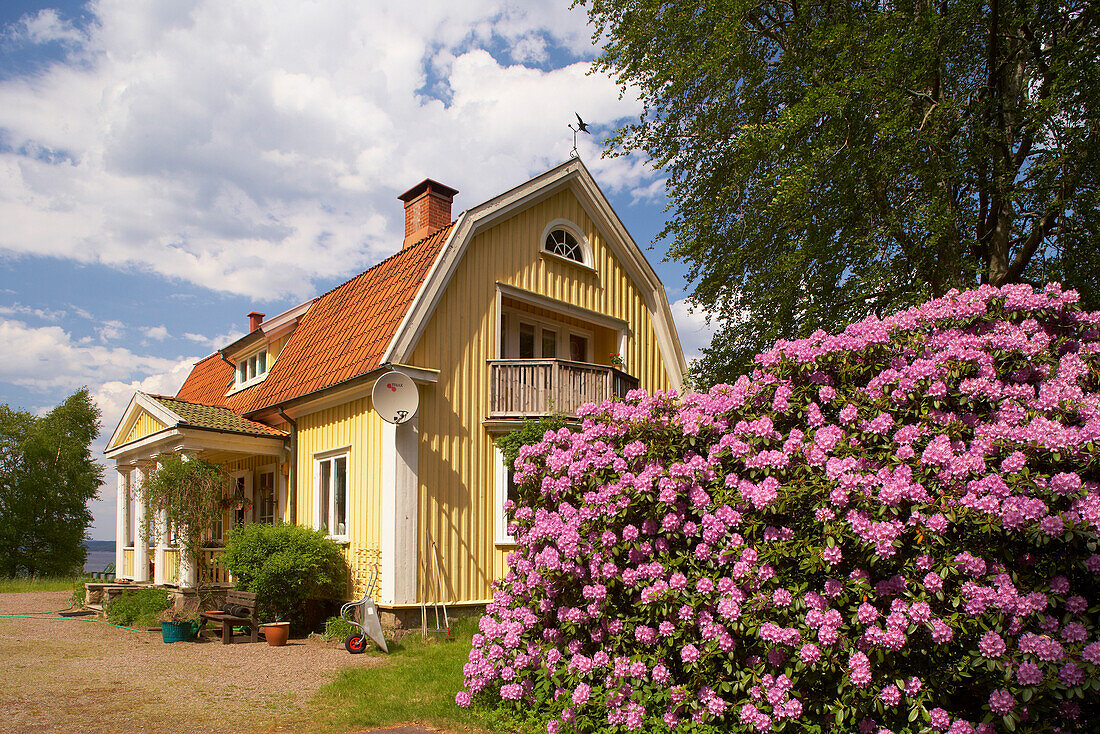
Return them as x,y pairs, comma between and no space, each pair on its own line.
122,519
160,538
141,547
187,571
400,496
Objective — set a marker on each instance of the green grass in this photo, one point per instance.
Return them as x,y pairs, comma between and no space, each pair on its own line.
36,583
417,683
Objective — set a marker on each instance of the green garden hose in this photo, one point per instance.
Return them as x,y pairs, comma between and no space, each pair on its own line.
38,615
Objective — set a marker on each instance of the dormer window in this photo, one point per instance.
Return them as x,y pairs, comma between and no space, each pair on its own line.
252,368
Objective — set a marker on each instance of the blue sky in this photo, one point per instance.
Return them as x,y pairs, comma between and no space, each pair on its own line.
166,168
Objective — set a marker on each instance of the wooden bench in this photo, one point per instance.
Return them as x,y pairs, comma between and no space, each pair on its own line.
244,599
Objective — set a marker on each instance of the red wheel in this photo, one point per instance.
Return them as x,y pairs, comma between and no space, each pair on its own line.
355,643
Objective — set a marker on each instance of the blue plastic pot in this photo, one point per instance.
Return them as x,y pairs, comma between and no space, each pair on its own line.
178,631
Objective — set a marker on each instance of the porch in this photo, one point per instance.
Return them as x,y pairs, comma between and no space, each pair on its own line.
532,387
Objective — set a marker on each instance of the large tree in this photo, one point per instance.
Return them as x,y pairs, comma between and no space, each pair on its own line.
47,477
829,160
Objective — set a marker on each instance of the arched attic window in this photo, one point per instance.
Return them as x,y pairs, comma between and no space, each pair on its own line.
564,239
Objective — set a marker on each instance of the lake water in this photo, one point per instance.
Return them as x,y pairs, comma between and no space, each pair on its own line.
99,557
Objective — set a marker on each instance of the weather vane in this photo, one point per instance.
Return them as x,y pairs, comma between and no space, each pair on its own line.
582,127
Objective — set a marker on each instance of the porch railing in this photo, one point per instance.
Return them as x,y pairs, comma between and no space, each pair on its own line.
127,563
528,387
171,566
216,573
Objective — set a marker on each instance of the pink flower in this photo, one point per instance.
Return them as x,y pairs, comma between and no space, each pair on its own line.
1028,674
890,695
939,719
991,645
933,582
831,554
1001,702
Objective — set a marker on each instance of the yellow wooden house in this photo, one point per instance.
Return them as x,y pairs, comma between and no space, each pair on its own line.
521,306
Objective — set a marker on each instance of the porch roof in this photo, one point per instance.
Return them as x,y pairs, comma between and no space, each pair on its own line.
214,417
180,425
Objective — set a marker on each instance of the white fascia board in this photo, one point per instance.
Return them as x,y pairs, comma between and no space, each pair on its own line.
277,326
563,307
174,439
138,403
330,397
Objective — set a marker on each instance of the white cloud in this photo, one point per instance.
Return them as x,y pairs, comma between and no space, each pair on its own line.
255,148
214,342
43,314
160,333
43,27
47,358
695,332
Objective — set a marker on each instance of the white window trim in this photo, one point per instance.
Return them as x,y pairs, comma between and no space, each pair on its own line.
511,334
318,458
268,363
267,469
501,496
588,258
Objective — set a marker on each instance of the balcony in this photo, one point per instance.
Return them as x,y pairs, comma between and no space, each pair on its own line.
530,387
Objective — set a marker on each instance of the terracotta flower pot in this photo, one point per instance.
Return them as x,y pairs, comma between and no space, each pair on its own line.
276,633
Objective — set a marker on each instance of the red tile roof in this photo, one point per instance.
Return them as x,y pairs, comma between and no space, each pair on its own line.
343,335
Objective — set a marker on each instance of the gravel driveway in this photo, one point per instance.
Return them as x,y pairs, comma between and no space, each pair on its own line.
61,675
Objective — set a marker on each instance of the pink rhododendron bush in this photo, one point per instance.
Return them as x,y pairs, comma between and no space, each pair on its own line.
893,529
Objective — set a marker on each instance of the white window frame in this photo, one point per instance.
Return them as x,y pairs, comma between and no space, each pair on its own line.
253,374
502,537
272,469
321,458
587,259
510,322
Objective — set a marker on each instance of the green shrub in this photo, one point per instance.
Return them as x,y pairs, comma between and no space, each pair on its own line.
78,596
286,566
338,628
138,607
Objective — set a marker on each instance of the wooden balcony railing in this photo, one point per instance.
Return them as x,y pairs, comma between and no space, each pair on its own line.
529,387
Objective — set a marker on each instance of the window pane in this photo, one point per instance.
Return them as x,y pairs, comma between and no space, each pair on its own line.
325,480
526,341
261,359
339,493
578,348
549,344
265,498
242,371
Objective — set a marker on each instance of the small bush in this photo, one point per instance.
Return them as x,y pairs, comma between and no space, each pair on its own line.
286,567
338,628
138,608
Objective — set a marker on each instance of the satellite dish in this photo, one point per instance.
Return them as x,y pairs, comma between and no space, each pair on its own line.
395,397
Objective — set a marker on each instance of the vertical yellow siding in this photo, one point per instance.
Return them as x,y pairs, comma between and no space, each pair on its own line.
143,426
457,463
354,426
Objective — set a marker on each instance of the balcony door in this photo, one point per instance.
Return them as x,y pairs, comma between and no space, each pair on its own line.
526,337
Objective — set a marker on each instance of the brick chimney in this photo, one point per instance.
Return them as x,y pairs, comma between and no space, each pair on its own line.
255,318
427,209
